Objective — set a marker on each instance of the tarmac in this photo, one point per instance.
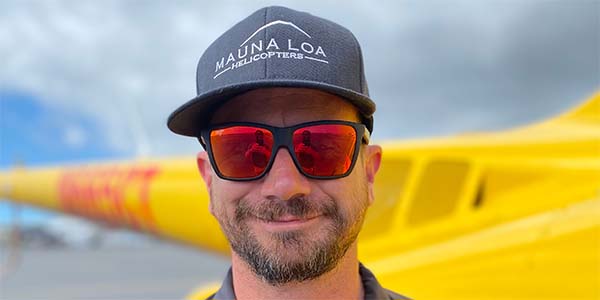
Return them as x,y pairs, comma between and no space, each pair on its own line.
155,271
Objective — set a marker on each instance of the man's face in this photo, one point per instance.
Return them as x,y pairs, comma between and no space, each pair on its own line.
285,226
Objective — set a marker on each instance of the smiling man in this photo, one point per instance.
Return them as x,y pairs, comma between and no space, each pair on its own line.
284,115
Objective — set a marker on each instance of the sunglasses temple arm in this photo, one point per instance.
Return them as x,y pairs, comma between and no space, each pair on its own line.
201,140
366,137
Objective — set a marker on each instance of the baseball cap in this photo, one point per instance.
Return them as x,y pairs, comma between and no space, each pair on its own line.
276,47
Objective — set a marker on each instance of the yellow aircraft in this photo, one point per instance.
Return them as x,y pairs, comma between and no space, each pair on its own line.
500,215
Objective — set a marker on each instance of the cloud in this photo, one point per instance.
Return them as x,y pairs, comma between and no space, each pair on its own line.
74,137
433,67
34,133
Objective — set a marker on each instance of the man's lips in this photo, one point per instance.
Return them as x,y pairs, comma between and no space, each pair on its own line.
288,221
290,218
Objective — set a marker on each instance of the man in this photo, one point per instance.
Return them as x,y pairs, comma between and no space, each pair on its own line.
305,152
292,223
258,153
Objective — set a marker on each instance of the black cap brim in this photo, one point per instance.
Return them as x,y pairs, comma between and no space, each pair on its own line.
193,116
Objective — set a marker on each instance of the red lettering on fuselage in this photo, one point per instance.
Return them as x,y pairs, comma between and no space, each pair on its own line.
116,195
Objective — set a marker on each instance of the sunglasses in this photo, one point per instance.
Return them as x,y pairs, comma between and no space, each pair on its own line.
320,150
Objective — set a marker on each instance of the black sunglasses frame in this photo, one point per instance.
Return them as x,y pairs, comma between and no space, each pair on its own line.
283,138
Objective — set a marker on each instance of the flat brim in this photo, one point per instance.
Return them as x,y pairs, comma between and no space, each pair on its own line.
195,115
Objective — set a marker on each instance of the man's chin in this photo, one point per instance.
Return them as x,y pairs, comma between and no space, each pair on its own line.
291,255
290,242
290,262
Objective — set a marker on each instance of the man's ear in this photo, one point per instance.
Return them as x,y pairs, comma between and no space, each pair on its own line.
372,163
204,168
207,174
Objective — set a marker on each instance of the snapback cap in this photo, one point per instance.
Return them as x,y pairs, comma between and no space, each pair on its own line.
276,47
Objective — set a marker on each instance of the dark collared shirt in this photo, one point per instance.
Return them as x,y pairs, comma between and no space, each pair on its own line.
373,290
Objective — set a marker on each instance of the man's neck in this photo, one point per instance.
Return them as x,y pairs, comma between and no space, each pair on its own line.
343,282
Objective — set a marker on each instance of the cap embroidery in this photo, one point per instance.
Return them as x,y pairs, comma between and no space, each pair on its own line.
251,52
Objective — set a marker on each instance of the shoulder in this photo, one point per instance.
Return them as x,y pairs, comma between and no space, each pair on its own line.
203,292
395,296
223,291
211,297
372,288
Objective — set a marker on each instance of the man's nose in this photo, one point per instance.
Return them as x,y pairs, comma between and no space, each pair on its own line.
284,181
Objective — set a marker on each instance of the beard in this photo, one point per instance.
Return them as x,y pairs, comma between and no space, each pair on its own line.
295,255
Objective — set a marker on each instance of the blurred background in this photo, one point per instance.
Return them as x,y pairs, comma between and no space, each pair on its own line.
93,81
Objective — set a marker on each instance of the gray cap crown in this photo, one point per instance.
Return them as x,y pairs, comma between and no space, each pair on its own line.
276,47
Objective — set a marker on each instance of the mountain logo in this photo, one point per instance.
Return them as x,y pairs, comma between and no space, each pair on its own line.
252,50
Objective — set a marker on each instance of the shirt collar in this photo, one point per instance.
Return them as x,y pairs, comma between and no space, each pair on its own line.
373,290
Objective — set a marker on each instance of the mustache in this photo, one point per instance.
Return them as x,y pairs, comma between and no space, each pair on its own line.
271,210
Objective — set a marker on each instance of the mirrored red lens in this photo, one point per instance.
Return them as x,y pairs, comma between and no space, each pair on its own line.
241,151
325,150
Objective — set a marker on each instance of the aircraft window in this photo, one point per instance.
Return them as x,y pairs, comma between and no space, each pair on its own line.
390,185
438,191
499,182
480,196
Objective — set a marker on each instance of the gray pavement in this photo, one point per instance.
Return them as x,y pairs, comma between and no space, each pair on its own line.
156,271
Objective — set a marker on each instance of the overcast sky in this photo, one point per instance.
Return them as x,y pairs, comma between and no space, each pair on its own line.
110,72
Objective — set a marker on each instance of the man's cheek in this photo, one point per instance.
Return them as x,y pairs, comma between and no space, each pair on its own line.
211,207
222,201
